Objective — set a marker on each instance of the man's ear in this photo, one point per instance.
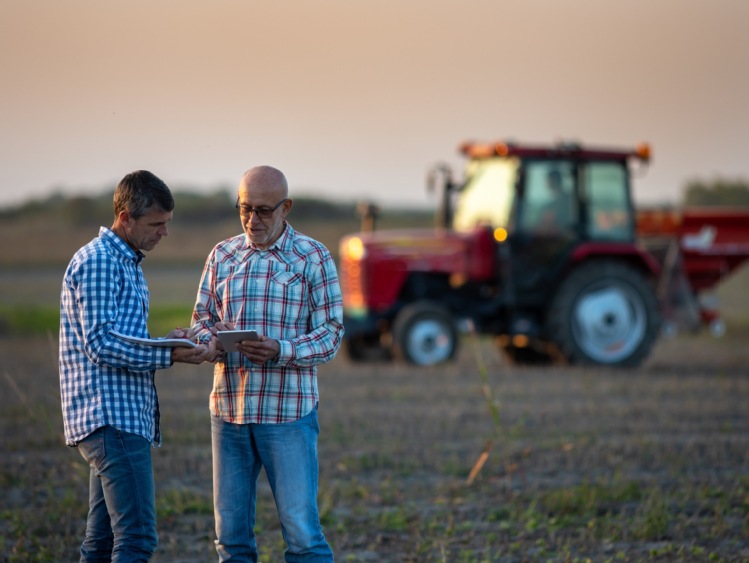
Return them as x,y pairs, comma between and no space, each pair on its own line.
122,219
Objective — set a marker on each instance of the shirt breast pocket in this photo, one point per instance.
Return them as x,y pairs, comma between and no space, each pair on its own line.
291,288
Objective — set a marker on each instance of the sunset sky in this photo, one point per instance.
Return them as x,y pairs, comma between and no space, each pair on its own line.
357,99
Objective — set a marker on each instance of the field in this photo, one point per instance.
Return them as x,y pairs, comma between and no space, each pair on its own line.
582,465
585,465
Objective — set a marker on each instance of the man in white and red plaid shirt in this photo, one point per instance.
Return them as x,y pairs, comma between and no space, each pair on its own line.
284,285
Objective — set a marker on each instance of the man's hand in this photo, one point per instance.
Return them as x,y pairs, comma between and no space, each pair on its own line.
259,351
223,325
220,352
188,333
196,355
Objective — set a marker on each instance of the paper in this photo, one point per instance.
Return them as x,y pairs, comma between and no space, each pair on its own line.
230,337
160,342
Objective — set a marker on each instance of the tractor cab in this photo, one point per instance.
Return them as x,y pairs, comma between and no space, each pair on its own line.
545,203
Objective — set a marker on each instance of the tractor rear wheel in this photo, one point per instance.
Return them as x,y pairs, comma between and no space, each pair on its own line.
424,334
604,313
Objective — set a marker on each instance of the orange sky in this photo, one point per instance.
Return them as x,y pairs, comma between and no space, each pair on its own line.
357,99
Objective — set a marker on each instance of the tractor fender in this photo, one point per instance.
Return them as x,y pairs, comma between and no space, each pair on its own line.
631,253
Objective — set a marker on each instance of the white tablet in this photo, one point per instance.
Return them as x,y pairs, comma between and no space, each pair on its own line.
230,337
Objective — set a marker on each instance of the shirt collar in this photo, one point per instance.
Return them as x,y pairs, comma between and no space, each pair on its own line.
281,243
121,246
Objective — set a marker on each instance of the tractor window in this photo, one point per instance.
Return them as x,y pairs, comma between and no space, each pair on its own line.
486,198
607,195
549,204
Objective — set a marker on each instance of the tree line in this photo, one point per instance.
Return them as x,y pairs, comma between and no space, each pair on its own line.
193,207
202,208
717,192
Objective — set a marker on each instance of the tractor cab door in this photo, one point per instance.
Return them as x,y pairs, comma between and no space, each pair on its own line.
546,226
559,205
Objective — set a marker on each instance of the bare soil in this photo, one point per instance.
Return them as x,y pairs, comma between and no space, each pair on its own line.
585,465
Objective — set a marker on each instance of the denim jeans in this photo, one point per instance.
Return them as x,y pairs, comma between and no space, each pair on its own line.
288,452
121,523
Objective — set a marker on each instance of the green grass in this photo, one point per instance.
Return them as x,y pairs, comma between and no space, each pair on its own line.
183,501
164,318
45,319
29,319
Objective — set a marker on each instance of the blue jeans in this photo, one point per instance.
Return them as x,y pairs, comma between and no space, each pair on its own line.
288,452
121,523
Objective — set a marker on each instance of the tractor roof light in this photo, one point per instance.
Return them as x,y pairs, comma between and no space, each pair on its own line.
477,150
484,150
502,149
642,151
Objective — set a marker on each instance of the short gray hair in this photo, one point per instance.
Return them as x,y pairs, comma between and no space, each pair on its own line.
139,191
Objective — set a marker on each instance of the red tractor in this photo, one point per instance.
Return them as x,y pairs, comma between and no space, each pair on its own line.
539,247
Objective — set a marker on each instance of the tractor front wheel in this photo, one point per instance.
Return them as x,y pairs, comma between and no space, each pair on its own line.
424,334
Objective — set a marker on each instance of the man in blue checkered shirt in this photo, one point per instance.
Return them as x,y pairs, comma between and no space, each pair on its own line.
109,402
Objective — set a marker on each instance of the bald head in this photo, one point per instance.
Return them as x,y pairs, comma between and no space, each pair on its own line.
263,202
264,181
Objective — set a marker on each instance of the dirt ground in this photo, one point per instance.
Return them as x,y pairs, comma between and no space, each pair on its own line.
584,465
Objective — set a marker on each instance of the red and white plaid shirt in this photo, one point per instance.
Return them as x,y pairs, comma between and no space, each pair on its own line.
289,292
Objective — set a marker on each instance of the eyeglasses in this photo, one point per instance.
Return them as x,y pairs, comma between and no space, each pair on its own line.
261,212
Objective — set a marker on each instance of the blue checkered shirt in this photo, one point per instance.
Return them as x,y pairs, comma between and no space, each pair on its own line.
104,380
289,292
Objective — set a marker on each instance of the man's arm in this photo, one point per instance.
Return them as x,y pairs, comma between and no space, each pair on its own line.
95,284
204,315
